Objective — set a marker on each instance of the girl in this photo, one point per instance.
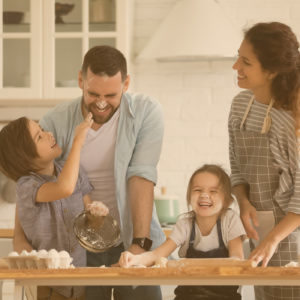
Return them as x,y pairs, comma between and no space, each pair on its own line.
209,230
264,155
49,195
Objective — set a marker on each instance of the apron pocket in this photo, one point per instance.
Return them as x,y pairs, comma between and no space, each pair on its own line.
266,221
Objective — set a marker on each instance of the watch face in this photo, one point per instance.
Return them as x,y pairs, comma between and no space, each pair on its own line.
144,243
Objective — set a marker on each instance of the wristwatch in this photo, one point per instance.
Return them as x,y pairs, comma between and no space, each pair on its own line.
143,242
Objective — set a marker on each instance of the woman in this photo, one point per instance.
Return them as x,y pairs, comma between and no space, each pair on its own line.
264,157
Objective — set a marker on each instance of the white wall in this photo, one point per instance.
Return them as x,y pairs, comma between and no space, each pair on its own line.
196,96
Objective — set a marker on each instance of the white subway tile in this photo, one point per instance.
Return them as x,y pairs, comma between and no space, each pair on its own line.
145,28
187,130
224,96
173,154
152,11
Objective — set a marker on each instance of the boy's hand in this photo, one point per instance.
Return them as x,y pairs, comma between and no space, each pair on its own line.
97,208
82,129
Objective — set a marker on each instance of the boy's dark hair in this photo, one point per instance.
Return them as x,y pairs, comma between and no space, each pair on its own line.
104,60
17,149
224,183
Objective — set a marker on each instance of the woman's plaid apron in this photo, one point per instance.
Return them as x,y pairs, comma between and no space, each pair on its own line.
255,161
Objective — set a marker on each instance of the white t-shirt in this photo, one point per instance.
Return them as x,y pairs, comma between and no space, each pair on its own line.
97,159
231,227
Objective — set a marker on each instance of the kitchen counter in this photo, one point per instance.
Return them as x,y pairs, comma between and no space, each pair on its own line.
9,233
6,233
221,274
156,276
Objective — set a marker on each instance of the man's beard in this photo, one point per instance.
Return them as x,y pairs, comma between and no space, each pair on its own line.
99,119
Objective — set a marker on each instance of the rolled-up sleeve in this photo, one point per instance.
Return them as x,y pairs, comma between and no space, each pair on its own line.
148,145
235,175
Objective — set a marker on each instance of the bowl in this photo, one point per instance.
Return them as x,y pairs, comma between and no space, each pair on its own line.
96,233
12,17
62,9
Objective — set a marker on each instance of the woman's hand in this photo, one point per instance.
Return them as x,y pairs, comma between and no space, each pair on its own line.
267,247
264,251
249,218
247,211
128,259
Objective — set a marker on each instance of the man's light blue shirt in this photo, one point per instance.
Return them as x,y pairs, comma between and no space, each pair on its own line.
138,148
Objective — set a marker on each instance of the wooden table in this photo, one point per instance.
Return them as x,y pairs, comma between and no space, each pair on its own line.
214,275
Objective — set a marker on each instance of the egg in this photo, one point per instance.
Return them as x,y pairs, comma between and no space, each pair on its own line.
24,253
12,261
65,259
53,259
33,253
42,253
42,259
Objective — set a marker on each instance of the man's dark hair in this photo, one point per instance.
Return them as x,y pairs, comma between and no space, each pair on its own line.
104,60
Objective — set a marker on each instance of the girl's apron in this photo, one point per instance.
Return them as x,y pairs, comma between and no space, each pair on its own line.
255,160
207,292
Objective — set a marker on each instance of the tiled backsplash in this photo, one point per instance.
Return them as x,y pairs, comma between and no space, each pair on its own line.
196,96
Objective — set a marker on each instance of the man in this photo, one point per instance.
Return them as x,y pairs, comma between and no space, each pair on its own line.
120,155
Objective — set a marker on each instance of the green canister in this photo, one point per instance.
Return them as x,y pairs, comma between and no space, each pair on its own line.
167,207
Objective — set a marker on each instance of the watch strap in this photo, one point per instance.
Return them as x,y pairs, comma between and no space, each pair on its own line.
143,242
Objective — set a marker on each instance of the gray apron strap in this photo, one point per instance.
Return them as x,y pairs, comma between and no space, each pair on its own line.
267,120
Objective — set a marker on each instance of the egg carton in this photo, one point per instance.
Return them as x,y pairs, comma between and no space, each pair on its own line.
28,262
39,260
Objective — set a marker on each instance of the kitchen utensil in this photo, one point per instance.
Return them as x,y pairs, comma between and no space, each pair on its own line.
102,11
62,9
12,17
96,233
167,207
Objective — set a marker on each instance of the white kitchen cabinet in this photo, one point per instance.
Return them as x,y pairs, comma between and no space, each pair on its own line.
42,50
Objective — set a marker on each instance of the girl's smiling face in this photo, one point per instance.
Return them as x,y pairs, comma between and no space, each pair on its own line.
207,197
